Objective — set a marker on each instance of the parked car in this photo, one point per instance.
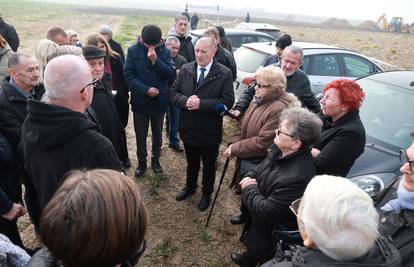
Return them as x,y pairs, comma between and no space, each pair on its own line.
322,63
387,115
238,37
260,27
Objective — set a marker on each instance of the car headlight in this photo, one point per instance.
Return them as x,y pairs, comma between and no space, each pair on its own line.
372,184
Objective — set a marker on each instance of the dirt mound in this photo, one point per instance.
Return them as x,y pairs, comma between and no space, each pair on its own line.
337,23
368,25
290,17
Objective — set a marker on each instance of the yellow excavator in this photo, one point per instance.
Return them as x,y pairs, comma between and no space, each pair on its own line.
396,25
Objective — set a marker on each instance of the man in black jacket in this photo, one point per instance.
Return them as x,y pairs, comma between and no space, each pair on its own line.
9,33
180,31
281,43
200,86
223,56
56,136
297,83
23,84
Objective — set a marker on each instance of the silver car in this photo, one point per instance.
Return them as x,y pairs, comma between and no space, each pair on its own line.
322,63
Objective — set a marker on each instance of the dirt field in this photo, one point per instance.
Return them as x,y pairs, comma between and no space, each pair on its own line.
176,234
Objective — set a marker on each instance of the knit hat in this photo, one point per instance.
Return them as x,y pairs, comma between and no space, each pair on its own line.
284,41
105,29
151,34
92,52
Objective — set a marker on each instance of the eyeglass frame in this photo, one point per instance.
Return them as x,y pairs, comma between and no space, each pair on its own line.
404,159
260,86
279,131
94,82
294,206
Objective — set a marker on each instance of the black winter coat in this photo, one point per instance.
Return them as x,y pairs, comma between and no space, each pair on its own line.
340,143
202,127
383,254
280,181
186,47
117,48
56,140
226,58
9,34
297,84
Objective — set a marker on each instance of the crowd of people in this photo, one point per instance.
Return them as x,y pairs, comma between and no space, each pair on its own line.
68,105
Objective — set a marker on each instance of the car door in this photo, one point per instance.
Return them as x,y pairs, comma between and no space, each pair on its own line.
322,69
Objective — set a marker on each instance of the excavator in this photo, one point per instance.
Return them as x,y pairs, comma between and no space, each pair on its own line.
396,25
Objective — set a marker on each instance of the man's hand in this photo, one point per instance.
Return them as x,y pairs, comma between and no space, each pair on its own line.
193,103
236,113
247,181
152,55
15,212
315,152
153,92
227,152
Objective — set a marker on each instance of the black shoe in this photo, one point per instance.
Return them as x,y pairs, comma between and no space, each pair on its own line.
204,202
183,194
238,219
156,167
176,147
127,164
140,171
243,259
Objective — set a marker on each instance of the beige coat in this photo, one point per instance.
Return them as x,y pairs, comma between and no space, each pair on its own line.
5,53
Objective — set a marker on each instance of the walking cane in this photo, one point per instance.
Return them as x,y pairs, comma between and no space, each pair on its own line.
226,164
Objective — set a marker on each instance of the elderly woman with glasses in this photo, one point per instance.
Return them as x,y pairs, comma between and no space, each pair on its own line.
343,135
261,119
280,178
339,227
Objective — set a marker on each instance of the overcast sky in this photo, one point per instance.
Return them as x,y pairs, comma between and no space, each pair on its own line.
354,9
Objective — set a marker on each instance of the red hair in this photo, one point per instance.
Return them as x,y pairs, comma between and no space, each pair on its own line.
350,92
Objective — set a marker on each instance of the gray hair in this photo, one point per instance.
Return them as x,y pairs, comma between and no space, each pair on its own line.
66,50
14,59
212,31
105,29
339,217
72,33
304,124
295,50
273,76
172,38
212,43
65,76
180,17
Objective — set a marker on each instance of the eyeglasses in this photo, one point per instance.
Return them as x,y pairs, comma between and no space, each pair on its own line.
260,86
294,207
93,83
278,131
404,159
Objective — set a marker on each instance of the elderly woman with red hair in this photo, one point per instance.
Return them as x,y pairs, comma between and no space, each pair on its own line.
343,135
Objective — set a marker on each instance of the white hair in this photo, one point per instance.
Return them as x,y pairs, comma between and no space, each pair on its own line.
65,76
339,217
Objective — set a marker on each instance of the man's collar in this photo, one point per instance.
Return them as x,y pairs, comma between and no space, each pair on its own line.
208,67
20,90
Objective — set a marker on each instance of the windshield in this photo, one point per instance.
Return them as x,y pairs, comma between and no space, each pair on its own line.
271,32
387,112
249,60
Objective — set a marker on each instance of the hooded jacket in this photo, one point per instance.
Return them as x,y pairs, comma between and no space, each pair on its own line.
383,254
186,46
56,140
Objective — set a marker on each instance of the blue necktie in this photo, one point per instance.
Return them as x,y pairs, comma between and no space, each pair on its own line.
201,78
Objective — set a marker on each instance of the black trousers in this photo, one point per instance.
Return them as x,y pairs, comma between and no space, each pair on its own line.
194,155
9,229
141,124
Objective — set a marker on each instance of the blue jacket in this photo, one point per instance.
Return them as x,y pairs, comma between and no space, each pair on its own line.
141,75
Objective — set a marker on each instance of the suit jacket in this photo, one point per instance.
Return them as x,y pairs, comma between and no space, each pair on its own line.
202,127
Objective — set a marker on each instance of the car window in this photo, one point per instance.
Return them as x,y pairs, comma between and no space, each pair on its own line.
305,65
236,40
356,66
263,39
248,60
386,112
325,65
271,32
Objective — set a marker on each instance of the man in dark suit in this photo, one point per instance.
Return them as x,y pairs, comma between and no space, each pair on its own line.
200,86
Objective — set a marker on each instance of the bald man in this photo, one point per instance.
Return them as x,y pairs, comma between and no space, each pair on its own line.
56,136
200,86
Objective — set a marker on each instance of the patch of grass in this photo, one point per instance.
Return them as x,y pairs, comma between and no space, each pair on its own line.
155,183
301,34
393,51
205,236
165,248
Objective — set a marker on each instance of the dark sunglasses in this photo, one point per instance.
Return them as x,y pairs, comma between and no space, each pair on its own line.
404,159
294,207
93,83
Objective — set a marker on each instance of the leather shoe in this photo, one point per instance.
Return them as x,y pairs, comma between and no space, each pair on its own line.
243,259
183,194
204,203
238,219
156,167
176,147
140,171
